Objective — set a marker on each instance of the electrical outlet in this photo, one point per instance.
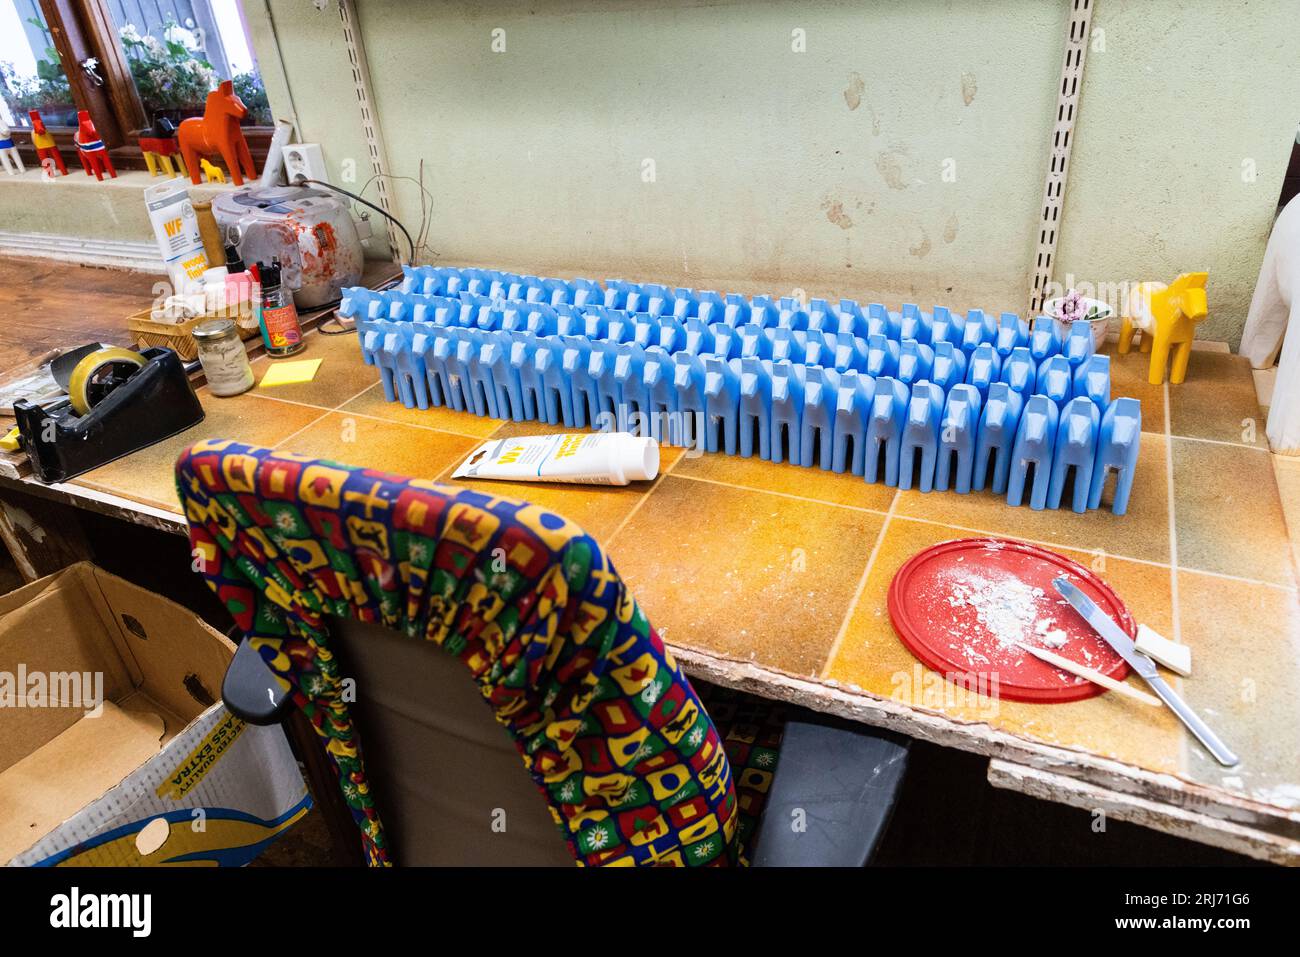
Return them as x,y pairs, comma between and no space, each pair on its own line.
304,160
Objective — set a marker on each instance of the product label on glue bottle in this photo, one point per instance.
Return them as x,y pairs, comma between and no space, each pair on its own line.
280,327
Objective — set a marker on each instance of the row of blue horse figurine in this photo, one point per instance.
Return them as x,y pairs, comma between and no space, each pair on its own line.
635,311
902,413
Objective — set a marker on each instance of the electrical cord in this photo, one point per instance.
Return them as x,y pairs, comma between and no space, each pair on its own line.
365,202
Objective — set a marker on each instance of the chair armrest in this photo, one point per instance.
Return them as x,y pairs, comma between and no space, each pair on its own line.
250,689
845,778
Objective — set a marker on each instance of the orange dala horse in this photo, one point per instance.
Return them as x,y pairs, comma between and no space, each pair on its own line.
218,134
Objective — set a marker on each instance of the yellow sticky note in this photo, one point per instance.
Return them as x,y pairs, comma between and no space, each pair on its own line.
289,373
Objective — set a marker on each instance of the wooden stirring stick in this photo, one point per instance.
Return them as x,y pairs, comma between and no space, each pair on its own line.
1096,677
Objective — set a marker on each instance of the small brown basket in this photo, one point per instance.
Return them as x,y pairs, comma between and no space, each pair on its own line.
176,335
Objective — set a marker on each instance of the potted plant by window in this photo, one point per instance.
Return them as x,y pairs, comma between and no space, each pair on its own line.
174,78
1073,307
47,91
173,81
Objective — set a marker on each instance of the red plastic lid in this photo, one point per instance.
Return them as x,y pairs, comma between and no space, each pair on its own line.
959,605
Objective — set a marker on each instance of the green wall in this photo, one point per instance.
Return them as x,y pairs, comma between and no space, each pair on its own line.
821,170
773,169
1183,95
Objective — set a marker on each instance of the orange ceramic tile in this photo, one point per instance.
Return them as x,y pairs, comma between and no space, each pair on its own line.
372,403
745,574
341,376
146,476
789,479
669,455
387,446
1217,401
1227,512
1143,532
1128,377
1245,640
599,509
870,657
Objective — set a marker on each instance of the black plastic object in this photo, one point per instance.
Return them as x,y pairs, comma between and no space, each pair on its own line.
833,793
269,276
154,404
234,261
250,690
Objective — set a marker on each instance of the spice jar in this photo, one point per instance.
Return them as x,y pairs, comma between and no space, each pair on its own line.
222,355
277,314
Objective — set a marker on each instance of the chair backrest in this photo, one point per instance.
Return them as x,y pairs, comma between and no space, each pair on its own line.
609,728
448,779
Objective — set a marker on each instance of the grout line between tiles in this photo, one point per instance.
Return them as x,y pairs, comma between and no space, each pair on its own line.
1168,435
366,415
609,541
862,586
423,428
1173,525
320,418
797,498
986,532
297,432
1196,438
281,399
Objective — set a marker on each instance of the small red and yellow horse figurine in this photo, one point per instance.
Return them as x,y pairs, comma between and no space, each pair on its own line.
90,148
159,146
46,150
218,134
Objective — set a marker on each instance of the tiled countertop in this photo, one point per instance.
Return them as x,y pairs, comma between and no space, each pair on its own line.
775,576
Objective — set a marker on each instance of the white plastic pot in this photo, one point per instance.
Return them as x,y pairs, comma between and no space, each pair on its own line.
1099,325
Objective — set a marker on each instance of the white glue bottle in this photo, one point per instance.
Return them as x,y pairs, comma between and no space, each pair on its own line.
597,458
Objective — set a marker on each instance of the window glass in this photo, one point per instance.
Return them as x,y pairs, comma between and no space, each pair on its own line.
31,77
178,50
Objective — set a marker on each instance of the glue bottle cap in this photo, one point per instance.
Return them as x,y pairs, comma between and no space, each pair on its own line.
637,457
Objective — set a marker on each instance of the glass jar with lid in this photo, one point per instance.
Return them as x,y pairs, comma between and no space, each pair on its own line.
222,355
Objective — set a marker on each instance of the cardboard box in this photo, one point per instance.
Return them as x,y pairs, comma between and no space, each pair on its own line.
114,746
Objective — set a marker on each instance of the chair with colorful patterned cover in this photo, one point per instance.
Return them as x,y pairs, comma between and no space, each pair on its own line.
393,605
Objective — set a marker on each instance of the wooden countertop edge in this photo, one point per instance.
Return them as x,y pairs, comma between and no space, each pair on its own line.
1179,822
1116,778
979,738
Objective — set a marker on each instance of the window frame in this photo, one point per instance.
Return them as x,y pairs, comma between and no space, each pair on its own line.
85,28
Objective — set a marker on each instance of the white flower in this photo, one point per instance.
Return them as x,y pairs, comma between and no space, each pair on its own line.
703,850
695,737
599,838
764,760
652,692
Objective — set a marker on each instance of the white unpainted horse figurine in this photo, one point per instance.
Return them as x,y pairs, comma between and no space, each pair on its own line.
1273,321
9,152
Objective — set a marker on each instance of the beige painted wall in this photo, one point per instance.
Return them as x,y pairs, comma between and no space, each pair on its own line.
773,169
820,170
1183,95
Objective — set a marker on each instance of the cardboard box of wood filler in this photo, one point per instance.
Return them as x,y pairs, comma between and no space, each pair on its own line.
114,746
